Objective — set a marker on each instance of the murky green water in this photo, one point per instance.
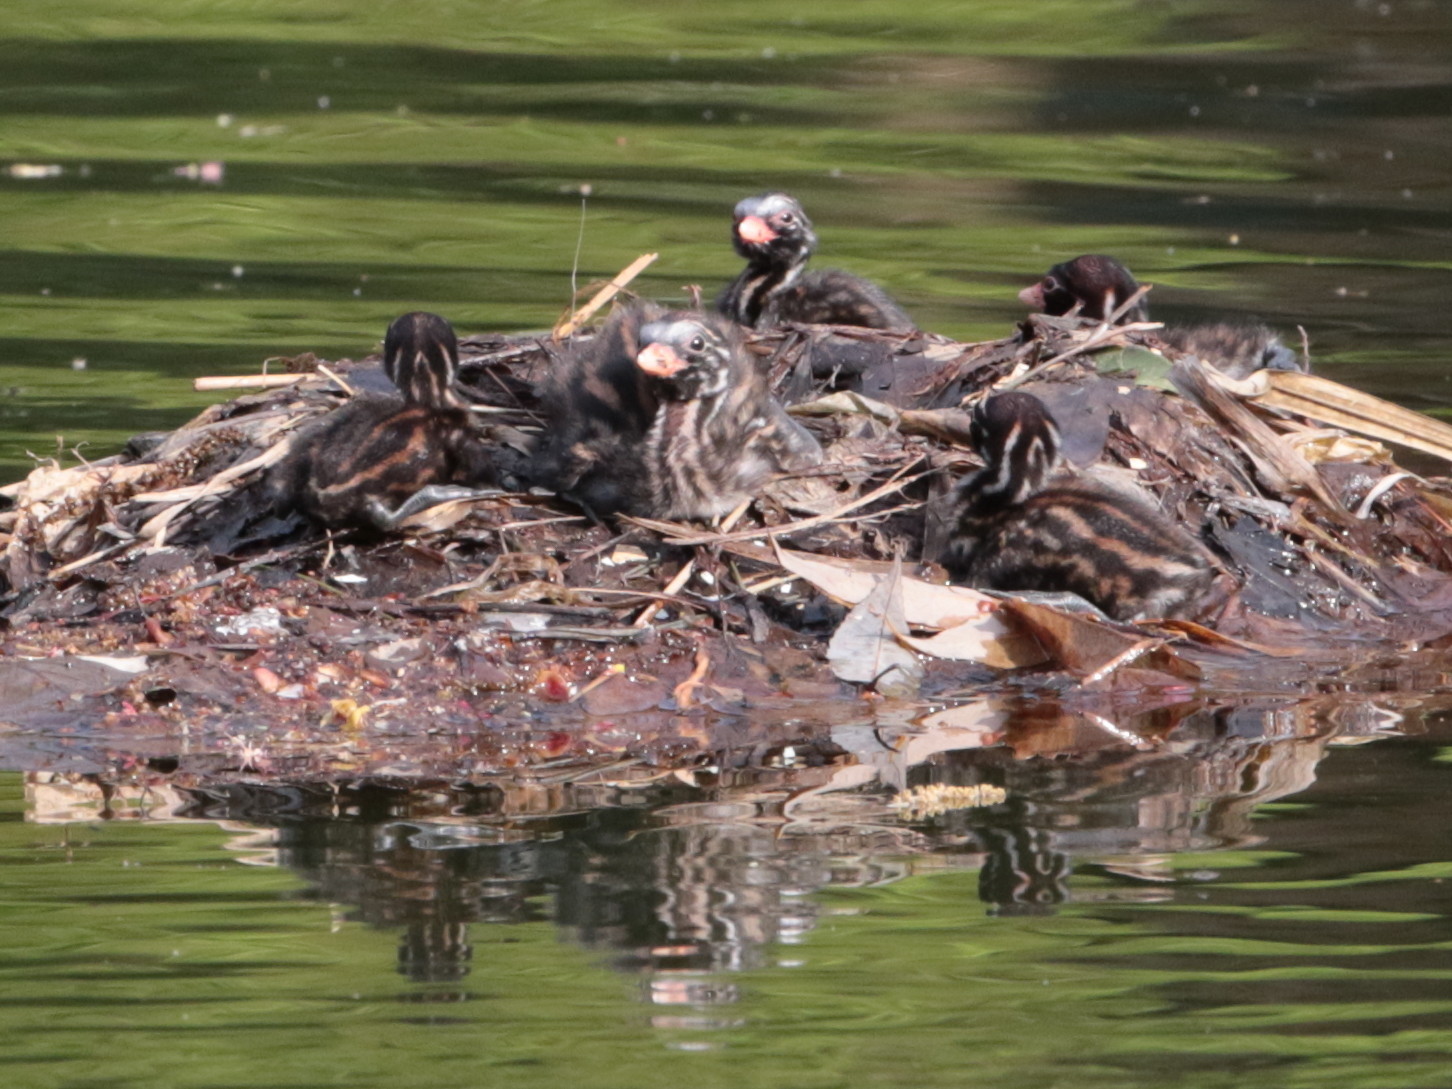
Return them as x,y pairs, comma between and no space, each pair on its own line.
189,188
192,187
1244,905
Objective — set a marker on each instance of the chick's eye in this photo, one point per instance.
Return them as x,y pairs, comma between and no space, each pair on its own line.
787,217
697,344
1051,283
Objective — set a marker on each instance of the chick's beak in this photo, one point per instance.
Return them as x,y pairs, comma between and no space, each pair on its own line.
660,360
755,230
1033,297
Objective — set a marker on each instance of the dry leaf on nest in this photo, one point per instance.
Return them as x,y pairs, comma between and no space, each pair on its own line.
865,648
1329,445
1276,461
983,636
847,403
439,517
1094,648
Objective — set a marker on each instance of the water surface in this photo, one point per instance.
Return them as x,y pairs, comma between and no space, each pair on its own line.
1244,906
193,190
1258,897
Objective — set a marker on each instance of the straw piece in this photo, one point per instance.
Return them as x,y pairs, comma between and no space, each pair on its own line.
245,381
603,296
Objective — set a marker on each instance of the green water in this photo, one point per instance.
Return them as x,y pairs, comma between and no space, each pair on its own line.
1284,159
1188,919
1309,945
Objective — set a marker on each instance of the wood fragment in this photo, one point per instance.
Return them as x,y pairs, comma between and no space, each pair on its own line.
332,375
210,382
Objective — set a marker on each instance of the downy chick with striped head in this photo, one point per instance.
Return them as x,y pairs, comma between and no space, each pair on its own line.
718,433
775,236
378,459
1094,286
666,416
1025,522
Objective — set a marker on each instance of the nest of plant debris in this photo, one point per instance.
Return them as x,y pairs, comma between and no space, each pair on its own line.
517,609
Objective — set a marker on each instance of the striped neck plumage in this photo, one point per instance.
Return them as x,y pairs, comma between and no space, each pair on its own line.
1019,444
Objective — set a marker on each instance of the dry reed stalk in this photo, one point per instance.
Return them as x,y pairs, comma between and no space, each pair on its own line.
208,382
604,295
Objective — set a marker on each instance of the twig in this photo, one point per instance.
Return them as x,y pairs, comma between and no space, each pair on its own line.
604,295
683,692
86,561
584,635
1382,486
671,529
1129,304
671,589
648,595
328,372
768,583
1123,658
684,574
585,191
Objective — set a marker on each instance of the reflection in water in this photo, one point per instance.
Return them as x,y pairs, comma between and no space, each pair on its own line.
682,883
1024,873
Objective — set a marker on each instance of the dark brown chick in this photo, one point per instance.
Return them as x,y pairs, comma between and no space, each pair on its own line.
1097,285
598,406
667,417
775,236
379,458
1023,522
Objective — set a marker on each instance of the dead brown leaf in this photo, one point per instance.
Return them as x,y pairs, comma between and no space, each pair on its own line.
1093,648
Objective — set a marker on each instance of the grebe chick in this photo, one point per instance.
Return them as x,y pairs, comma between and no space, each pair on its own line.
667,417
775,236
1024,522
380,458
1098,285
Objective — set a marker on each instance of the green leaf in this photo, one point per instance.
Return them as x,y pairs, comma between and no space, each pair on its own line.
1149,368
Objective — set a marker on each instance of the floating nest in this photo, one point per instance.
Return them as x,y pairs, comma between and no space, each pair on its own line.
156,594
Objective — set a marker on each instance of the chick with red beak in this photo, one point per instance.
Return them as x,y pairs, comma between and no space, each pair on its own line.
775,236
1095,284
660,360
754,231
667,416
